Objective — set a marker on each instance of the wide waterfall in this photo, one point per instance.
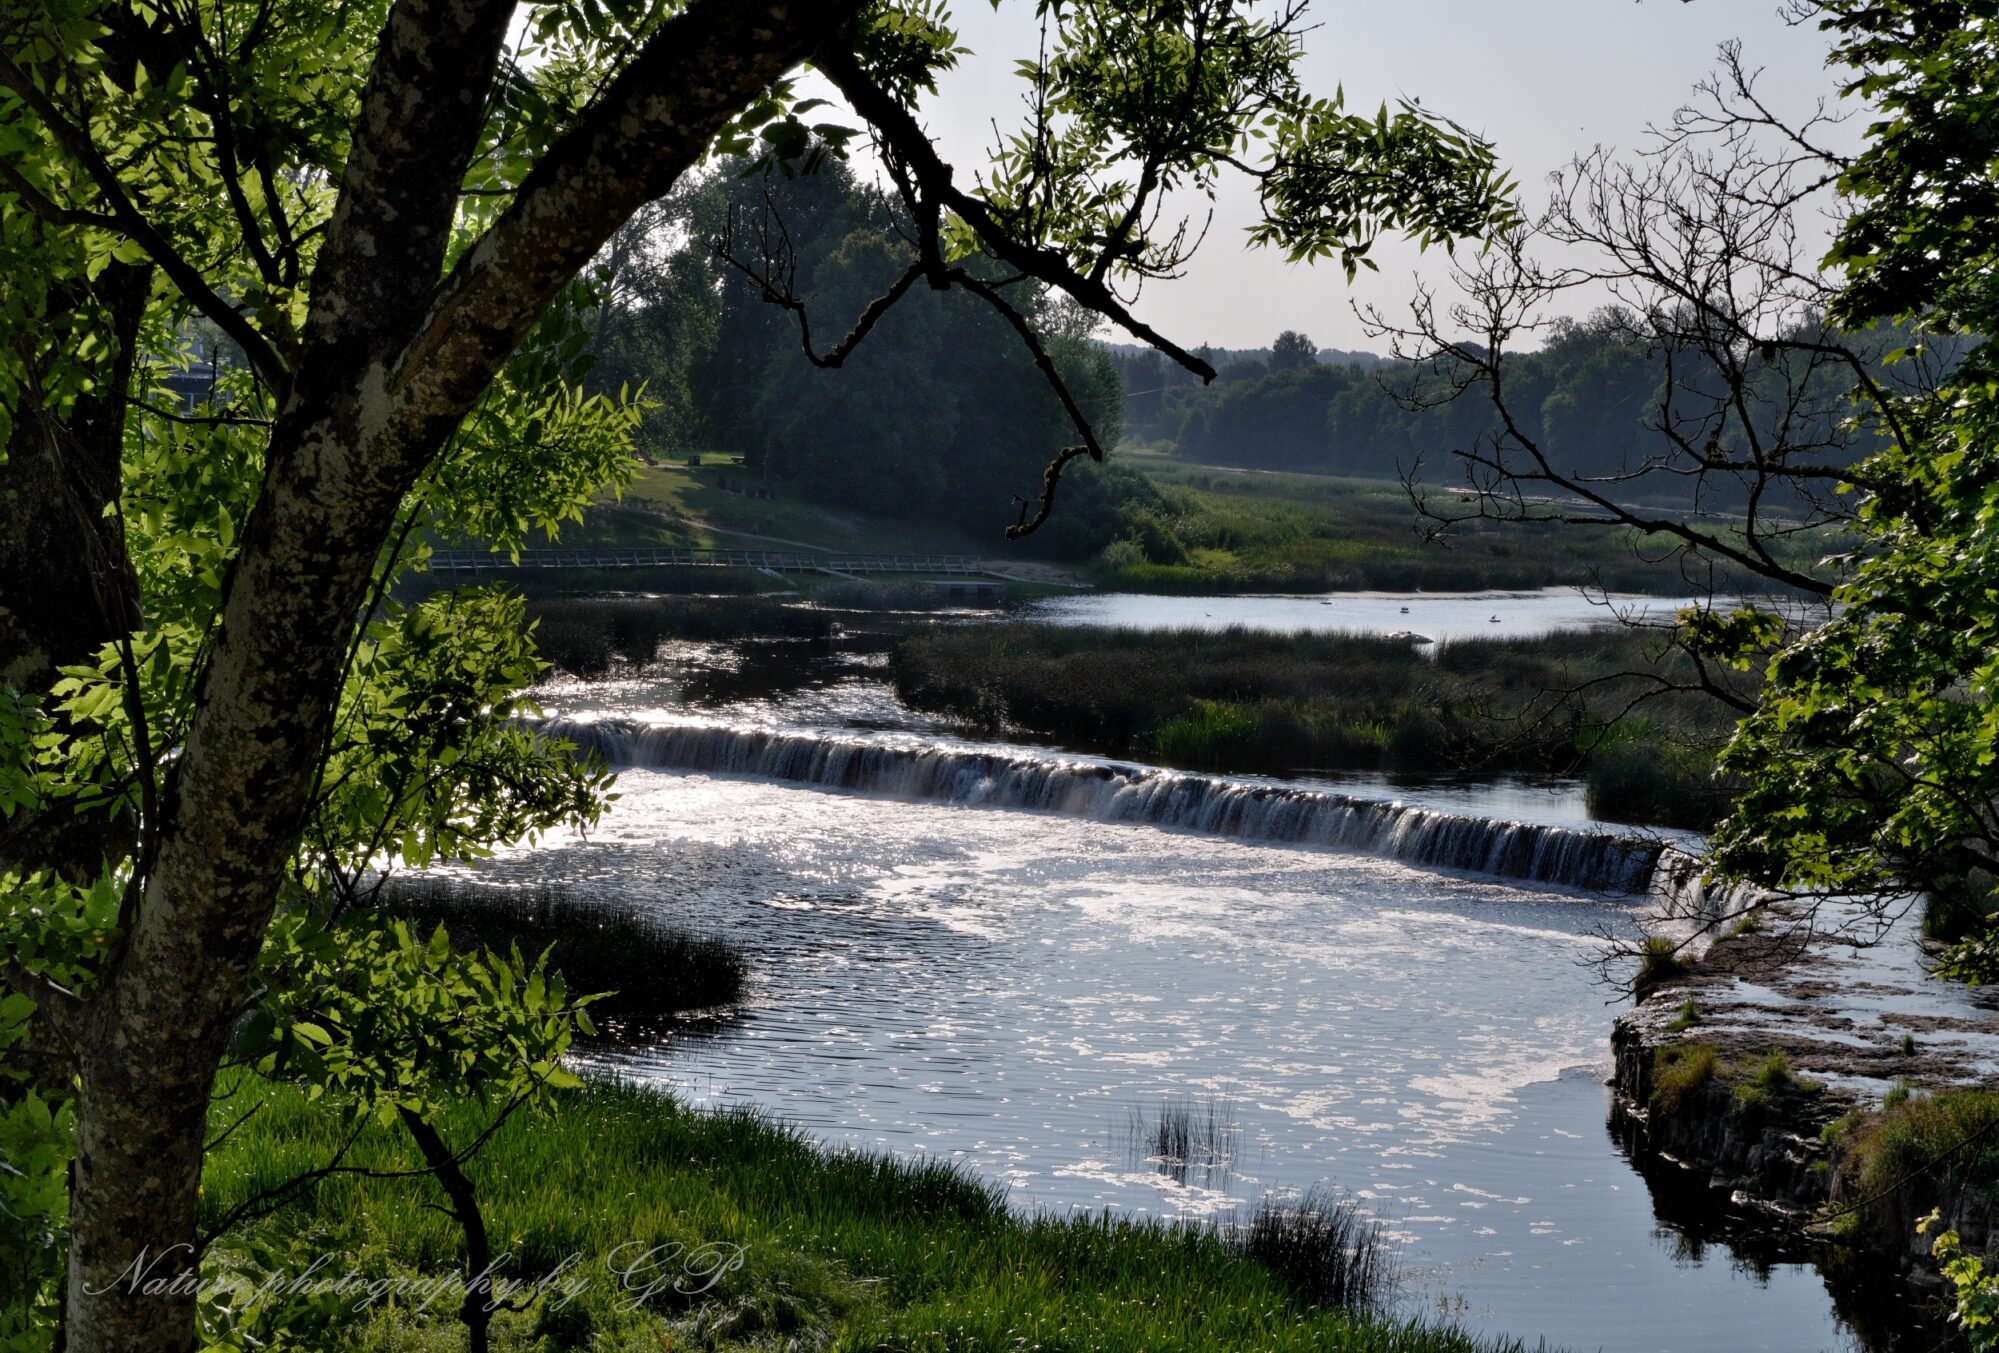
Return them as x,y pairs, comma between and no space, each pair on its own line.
1110,792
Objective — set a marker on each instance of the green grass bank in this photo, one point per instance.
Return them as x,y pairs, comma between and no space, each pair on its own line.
806,1249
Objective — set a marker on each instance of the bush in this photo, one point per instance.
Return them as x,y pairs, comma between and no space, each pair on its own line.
1955,914
866,594
1650,780
1680,1071
582,635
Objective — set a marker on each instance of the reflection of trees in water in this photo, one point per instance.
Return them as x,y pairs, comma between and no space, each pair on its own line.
762,670
1880,1314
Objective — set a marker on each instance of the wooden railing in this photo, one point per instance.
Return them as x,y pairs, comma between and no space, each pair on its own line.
775,561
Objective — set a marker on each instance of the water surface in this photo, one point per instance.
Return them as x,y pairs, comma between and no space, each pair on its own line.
1440,616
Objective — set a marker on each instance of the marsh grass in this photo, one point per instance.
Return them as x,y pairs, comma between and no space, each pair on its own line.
646,965
1241,700
839,1251
1328,1251
1680,1071
1186,1141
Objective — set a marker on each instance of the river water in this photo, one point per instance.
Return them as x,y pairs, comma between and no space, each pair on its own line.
1006,959
1440,616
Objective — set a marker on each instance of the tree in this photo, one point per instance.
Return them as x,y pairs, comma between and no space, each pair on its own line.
383,207
1292,351
1873,757
1826,428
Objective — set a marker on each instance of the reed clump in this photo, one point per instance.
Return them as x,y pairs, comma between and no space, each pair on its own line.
1184,1139
1328,1251
643,964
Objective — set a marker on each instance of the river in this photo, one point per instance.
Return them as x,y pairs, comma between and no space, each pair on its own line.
1439,616
1014,959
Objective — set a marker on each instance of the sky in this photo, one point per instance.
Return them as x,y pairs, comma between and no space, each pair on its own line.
1543,79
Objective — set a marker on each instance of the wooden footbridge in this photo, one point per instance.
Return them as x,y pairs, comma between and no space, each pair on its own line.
769,561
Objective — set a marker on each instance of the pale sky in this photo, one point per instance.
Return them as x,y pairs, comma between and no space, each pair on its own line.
1543,78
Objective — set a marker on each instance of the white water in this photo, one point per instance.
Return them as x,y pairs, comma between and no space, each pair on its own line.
999,956
1117,793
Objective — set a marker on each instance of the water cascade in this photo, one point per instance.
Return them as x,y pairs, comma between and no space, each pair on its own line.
1110,792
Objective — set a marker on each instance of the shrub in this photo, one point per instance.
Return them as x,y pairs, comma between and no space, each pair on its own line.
1974,1292
1955,914
1651,780
868,594
1681,1070
581,635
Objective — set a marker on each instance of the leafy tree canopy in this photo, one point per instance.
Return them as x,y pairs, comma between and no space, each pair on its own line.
213,722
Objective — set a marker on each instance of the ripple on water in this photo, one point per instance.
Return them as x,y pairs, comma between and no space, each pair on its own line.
1006,990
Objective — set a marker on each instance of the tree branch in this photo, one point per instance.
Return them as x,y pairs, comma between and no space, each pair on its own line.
130,222
899,127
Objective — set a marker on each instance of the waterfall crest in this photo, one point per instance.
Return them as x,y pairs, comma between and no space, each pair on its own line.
1110,792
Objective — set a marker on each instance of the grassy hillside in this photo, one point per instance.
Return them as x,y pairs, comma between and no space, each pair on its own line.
675,505
1219,530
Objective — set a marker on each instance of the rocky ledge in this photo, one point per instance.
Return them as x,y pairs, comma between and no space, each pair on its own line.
1786,1065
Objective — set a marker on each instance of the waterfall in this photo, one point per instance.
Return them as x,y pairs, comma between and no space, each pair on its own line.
1108,792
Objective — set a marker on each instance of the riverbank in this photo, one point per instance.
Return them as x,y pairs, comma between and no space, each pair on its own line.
760,1240
1808,1069
1252,702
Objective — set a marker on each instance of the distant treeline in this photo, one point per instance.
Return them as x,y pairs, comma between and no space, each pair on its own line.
942,413
1596,396
939,412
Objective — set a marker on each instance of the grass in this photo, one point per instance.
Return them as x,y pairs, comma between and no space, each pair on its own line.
1764,1085
1659,960
1250,701
1681,1070
595,582
1689,1016
870,594
647,965
837,1252
1253,531
672,505
1329,1252
1222,531
1950,1139
1184,1139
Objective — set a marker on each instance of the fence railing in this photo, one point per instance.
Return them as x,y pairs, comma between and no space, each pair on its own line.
777,561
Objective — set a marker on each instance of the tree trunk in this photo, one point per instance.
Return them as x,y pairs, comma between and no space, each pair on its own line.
391,360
